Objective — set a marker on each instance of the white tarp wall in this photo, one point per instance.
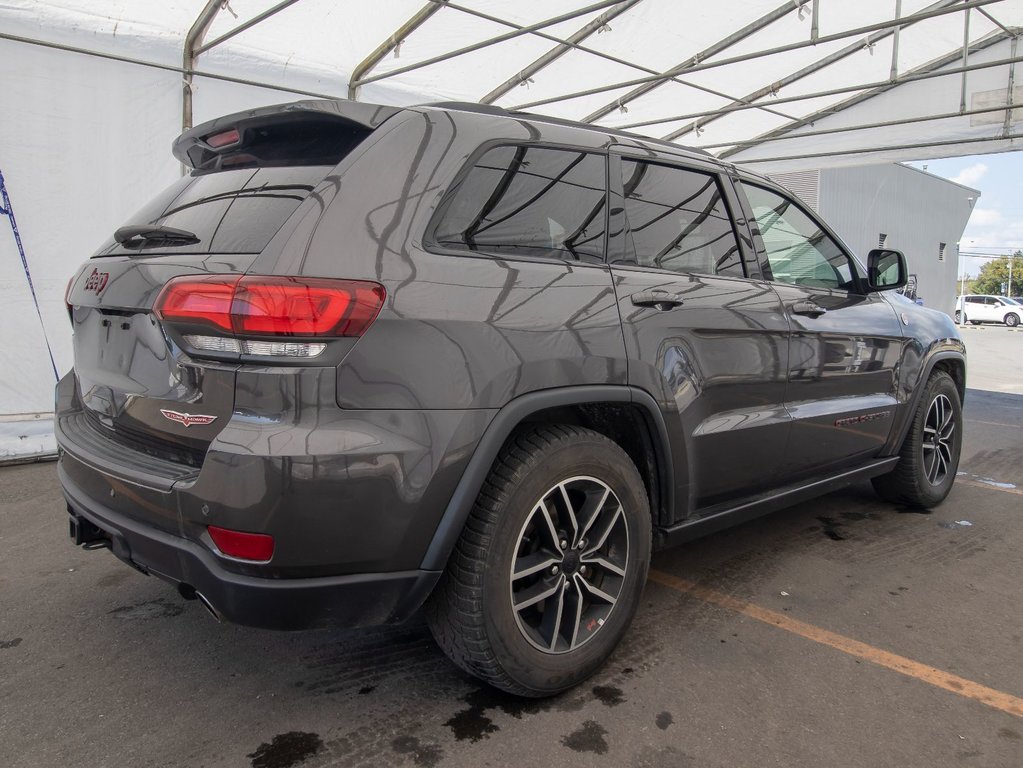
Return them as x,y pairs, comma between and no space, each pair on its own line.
85,140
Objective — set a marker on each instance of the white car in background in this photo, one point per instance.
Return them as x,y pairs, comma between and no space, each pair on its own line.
982,308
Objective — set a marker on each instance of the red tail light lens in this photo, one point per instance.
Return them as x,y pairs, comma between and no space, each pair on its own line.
245,546
198,300
217,140
273,306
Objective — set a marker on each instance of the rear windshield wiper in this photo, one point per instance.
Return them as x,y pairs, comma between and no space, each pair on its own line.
141,235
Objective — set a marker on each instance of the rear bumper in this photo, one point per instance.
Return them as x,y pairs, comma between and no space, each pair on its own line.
289,604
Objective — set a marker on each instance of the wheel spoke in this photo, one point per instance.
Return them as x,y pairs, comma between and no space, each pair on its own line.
603,562
576,614
948,430
594,512
595,591
570,510
553,610
533,563
602,539
555,540
539,591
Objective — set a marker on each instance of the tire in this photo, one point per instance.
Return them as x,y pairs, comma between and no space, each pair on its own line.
927,469
472,612
958,317
1012,319
973,322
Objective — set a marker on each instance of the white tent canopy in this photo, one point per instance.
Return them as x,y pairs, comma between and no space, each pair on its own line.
94,92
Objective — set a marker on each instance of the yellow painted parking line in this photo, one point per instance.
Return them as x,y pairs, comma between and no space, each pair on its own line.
1005,702
988,486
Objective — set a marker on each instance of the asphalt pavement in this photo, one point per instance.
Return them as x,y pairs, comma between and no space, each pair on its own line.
840,632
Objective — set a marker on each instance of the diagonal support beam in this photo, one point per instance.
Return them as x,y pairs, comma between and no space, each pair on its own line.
933,11
558,51
721,45
365,66
259,17
363,80
933,66
827,61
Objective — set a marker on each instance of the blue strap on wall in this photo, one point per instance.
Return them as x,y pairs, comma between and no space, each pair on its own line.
8,211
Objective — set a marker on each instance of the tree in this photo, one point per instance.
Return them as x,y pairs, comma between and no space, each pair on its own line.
994,276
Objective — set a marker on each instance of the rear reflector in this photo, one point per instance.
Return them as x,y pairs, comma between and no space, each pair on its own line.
244,546
272,306
266,348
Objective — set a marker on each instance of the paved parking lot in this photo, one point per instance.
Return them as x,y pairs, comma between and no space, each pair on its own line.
841,632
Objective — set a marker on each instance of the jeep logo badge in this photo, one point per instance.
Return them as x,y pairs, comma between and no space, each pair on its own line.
187,419
97,281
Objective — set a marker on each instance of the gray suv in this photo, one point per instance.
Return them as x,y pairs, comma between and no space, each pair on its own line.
364,360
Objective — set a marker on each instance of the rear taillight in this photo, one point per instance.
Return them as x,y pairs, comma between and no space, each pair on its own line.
251,314
224,138
245,546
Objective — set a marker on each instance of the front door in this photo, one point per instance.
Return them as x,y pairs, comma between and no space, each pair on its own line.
845,343
708,342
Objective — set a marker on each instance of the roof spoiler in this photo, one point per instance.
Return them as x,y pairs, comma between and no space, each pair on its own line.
205,146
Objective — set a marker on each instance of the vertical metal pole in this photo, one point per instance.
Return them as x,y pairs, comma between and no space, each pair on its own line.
966,55
193,40
962,298
1008,290
894,73
1009,91
815,18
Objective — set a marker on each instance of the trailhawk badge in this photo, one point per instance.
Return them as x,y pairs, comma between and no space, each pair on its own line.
187,419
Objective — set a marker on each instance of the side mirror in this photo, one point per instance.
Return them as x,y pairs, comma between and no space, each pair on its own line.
886,269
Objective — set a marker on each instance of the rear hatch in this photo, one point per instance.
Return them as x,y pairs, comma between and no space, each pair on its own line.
135,383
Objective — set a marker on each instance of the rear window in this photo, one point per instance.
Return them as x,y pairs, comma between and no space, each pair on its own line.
528,201
236,211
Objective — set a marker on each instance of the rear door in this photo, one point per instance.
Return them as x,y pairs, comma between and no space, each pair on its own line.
704,337
845,344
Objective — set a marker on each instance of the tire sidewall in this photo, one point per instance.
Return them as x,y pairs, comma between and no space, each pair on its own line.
525,664
939,385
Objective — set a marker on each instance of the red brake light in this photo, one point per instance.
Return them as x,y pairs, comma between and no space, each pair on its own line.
217,140
199,300
245,546
273,306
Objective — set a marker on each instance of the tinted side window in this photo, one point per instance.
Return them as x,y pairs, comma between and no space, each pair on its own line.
798,250
529,201
679,220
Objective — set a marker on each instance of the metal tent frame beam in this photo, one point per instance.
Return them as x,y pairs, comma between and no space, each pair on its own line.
960,6
832,58
931,68
193,39
365,66
712,50
558,51
608,57
524,30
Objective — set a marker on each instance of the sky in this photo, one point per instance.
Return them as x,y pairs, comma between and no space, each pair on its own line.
996,224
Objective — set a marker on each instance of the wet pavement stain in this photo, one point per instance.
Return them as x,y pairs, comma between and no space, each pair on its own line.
286,750
1008,733
608,695
473,724
663,720
151,609
588,738
367,689
426,755
10,643
831,529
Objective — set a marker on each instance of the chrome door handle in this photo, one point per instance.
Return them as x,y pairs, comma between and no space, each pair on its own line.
808,308
659,300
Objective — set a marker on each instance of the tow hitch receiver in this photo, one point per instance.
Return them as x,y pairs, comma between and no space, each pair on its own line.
84,533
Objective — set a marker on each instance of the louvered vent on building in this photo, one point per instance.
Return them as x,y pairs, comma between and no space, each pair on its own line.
881,239
805,184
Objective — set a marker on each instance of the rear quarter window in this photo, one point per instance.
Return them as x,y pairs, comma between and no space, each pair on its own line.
527,201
